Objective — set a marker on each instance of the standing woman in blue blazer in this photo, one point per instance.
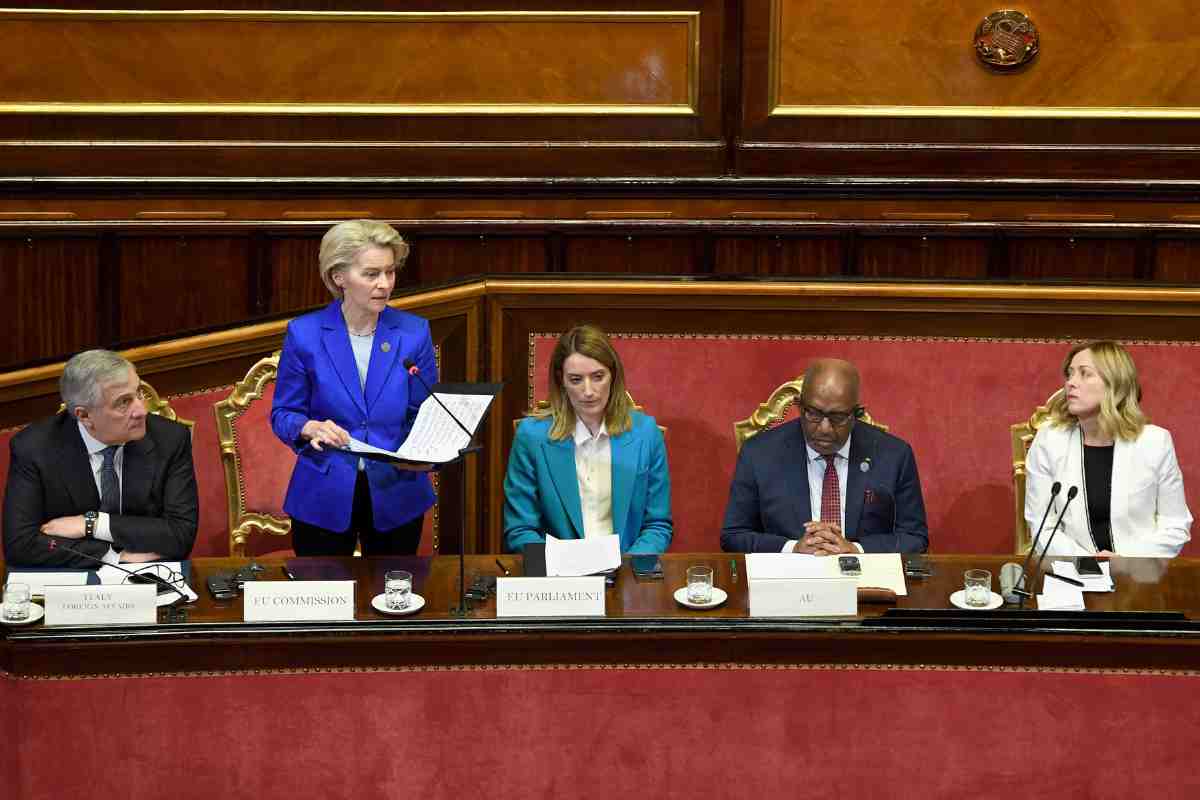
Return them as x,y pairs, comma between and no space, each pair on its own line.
591,465
342,375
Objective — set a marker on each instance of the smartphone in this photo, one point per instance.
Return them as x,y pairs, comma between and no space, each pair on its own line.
850,566
1087,566
222,586
648,566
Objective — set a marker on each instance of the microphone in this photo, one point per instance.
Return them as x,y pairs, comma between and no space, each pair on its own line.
163,584
415,371
1074,490
1017,589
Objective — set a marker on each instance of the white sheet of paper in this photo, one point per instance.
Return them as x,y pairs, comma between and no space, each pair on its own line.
111,576
38,581
1093,583
578,557
1059,596
435,438
778,566
881,571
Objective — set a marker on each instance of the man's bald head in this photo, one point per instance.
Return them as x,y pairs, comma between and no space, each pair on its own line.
831,376
830,392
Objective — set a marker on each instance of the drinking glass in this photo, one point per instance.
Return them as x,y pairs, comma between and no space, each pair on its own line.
977,587
699,585
397,586
16,602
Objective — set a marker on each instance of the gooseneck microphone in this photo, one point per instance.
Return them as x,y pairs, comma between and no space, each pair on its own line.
1074,490
1018,587
163,584
415,371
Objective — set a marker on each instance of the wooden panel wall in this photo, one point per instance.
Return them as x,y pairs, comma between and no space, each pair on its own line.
375,87
165,172
74,286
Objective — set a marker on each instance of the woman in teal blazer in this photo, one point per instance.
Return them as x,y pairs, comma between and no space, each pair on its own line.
591,465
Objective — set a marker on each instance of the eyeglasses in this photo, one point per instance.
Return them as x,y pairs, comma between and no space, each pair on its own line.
837,419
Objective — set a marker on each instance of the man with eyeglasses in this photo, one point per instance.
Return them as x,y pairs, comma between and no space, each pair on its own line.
824,484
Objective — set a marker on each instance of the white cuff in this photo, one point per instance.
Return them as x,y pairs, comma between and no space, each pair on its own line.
790,546
102,532
111,557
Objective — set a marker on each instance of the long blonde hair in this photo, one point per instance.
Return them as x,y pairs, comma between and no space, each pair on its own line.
1121,414
589,341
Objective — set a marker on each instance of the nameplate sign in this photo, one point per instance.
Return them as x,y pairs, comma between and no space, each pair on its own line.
550,597
124,604
297,601
804,597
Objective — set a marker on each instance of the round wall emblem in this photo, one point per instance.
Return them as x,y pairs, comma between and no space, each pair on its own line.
1006,40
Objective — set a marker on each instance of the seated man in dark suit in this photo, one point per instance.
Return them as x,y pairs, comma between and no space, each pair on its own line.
823,484
102,477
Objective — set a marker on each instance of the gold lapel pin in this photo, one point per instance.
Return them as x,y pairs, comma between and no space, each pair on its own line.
386,346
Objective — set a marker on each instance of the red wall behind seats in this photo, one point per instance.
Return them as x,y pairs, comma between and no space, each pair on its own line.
953,400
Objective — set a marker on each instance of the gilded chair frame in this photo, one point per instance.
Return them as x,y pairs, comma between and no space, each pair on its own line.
243,523
775,409
1022,437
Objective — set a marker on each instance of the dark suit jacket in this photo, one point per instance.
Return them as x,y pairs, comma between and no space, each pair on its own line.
50,477
769,501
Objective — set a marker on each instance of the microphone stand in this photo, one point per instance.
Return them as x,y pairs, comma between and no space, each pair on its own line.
134,576
464,602
1019,587
1070,496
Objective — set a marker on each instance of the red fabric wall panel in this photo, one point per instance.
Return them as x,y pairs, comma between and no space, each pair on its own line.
953,400
603,733
212,538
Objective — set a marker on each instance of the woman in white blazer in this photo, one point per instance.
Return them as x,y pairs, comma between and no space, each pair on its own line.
1130,492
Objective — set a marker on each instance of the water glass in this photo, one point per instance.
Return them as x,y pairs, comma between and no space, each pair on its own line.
699,585
397,586
16,602
977,587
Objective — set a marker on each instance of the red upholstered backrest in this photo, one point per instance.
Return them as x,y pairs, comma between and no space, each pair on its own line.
266,462
953,400
212,537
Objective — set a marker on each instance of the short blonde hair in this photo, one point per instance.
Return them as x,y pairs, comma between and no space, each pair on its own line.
342,243
590,341
1121,414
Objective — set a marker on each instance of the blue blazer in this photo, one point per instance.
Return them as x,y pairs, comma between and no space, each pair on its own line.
769,501
318,379
541,490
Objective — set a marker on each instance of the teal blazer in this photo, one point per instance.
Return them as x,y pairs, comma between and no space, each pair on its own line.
541,491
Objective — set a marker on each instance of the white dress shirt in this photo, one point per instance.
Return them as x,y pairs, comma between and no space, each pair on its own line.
816,484
95,449
593,469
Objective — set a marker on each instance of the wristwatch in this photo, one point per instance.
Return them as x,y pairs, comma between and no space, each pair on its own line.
89,524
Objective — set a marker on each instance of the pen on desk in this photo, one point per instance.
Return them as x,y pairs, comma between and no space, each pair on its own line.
1065,579
733,569
502,567
288,573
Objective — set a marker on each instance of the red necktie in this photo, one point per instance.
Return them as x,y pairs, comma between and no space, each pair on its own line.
831,495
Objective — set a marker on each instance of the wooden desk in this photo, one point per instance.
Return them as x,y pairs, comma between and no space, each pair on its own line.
643,626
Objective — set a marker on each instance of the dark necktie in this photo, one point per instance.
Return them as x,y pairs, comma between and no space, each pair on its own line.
110,488
831,494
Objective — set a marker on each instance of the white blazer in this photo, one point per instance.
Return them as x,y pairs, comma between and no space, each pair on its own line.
1149,513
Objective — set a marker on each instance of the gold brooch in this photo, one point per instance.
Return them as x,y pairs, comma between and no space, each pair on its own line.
386,346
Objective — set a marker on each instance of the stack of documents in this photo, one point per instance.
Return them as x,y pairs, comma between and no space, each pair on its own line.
38,581
578,557
1094,583
879,570
1059,596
